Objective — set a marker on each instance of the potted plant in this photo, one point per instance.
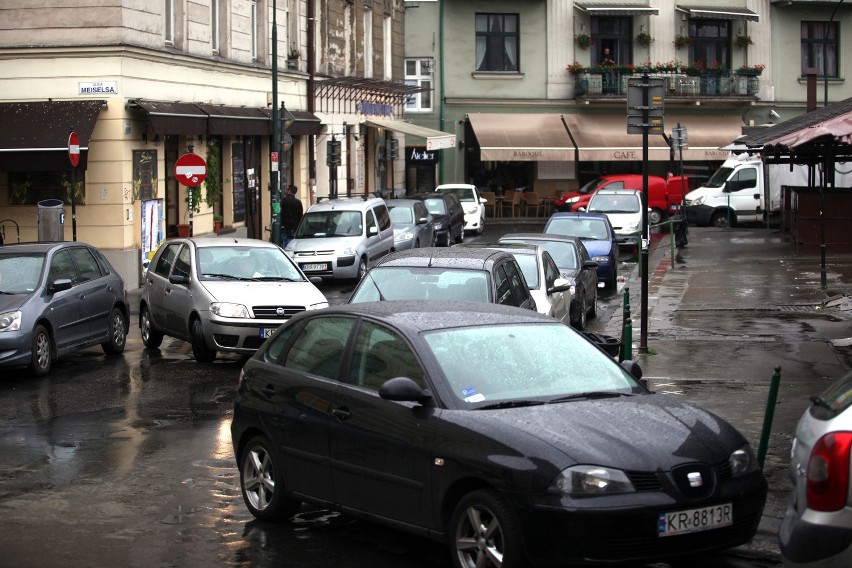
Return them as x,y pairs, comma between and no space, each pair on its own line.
644,39
575,68
583,40
212,182
217,223
293,56
751,71
682,41
743,40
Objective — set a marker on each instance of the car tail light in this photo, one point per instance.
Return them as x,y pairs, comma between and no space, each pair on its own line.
828,472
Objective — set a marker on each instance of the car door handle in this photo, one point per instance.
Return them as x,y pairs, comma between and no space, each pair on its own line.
341,413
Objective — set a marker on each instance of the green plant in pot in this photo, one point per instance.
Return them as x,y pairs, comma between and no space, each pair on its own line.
212,182
644,39
583,40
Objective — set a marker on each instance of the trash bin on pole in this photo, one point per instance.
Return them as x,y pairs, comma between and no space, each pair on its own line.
51,220
611,345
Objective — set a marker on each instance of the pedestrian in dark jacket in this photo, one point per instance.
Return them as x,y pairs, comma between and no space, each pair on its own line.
291,214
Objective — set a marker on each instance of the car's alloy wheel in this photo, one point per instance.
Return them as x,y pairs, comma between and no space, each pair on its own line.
460,238
200,351
362,268
580,320
720,220
655,216
485,533
42,352
593,309
481,228
117,332
261,483
150,336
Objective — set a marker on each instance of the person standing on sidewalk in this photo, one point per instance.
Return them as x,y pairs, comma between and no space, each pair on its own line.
291,214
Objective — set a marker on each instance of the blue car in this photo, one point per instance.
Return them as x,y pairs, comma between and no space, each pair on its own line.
597,234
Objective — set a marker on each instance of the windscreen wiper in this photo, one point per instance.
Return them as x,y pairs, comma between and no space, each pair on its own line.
590,395
510,404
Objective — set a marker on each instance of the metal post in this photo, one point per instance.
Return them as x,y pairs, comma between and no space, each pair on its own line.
828,166
645,239
274,188
191,150
627,341
73,203
770,414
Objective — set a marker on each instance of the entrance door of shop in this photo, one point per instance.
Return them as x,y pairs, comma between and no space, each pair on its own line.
170,149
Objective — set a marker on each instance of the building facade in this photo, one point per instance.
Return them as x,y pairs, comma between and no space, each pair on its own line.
537,92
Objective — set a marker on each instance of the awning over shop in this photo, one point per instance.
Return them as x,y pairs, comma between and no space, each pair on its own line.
435,139
304,123
604,137
616,9
522,137
34,135
173,118
231,120
717,12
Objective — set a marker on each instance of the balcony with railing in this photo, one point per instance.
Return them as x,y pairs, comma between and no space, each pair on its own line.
693,81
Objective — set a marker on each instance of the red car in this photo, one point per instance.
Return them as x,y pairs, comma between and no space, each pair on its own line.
664,194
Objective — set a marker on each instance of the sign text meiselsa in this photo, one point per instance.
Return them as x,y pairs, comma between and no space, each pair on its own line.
98,88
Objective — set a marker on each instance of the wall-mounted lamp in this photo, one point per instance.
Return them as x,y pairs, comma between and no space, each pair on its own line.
774,114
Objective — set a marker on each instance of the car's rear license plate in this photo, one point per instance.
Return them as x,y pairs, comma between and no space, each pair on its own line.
695,520
266,332
313,267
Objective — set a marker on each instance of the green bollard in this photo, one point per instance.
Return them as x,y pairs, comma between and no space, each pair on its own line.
626,341
770,414
626,306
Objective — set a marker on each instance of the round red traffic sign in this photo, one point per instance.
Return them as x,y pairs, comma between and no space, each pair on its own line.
190,170
74,148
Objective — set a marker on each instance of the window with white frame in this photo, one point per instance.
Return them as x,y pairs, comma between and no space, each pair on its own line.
368,42
254,28
387,48
819,47
169,24
419,73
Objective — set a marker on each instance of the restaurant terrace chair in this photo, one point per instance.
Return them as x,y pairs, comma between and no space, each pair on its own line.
513,203
490,202
533,202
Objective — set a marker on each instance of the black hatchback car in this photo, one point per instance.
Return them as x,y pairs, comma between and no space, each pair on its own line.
464,274
501,432
56,298
447,216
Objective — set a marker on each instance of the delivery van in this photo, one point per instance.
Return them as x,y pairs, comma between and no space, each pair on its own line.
664,194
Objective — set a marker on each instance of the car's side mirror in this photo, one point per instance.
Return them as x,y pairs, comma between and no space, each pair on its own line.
422,220
403,389
59,285
179,279
373,230
559,285
581,208
315,280
635,371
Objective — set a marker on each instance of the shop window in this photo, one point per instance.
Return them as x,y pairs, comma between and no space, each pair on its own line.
819,47
28,188
712,42
497,42
418,73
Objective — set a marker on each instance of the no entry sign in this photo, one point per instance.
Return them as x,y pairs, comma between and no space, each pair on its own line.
74,148
190,170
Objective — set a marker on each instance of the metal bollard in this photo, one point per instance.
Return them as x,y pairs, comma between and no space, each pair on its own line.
626,306
770,414
626,341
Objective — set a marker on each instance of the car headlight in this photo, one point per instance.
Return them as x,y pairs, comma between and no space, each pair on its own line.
698,200
288,250
743,461
318,306
590,480
10,321
601,259
348,251
631,227
439,226
573,199
471,209
229,310
403,237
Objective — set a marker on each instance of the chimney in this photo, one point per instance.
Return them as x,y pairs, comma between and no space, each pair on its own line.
811,73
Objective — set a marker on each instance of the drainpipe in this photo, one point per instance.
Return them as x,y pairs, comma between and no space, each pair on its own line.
312,159
441,67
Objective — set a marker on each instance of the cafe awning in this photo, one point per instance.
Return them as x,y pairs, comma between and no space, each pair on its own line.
717,12
521,137
231,120
604,138
34,135
616,9
435,139
172,117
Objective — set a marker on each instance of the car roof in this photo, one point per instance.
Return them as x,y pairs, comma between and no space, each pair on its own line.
579,214
433,195
605,191
417,316
455,186
440,257
522,248
42,247
542,237
204,242
345,204
396,202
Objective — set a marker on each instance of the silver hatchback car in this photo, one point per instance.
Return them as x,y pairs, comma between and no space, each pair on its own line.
222,294
57,298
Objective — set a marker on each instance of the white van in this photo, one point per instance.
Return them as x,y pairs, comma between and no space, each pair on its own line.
342,238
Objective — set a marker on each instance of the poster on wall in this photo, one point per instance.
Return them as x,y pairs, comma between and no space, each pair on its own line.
144,174
239,169
153,230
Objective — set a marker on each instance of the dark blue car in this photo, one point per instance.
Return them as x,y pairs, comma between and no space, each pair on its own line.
597,234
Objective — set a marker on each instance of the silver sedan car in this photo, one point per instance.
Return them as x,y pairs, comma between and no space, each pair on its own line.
412,224
222,294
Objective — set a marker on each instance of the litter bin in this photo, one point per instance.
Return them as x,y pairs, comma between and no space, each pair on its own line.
611,345
51,220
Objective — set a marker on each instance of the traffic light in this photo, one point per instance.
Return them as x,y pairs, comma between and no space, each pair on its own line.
392,148
333,153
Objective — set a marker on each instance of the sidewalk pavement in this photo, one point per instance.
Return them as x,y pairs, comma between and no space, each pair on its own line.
728,309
